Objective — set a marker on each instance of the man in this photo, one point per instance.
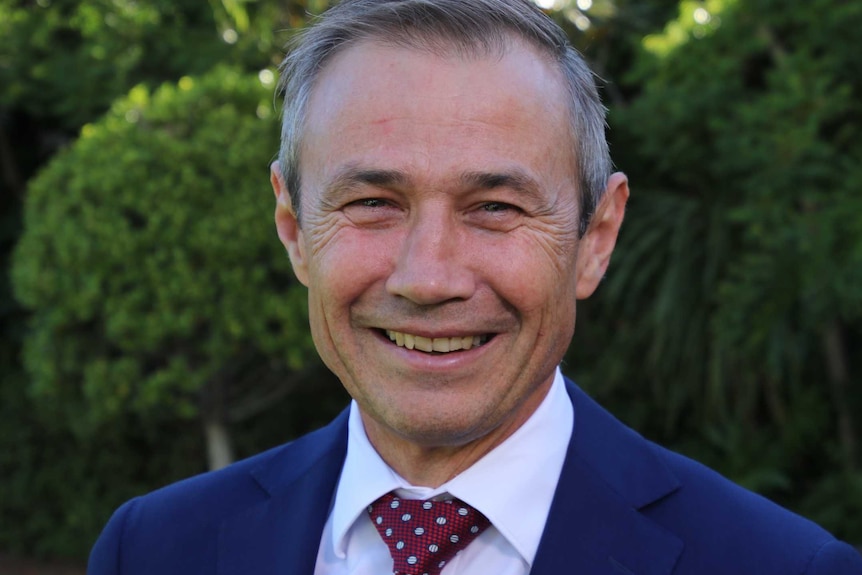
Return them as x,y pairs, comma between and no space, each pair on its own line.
444,192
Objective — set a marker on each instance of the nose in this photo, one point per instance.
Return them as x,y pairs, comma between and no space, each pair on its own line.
432,264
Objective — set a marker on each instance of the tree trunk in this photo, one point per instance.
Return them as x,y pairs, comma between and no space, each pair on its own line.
8,168
839,377
219,446
214,419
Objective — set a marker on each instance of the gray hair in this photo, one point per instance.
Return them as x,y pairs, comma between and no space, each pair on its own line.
446,27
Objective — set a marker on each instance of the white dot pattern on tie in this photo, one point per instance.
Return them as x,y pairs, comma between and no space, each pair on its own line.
423,536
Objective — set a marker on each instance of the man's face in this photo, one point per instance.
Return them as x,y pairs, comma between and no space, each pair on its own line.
440,210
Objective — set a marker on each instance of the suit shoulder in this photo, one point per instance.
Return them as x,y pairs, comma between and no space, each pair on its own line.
183,517
718,518
722,497
835,558
242,482
724,527
154,532
234,481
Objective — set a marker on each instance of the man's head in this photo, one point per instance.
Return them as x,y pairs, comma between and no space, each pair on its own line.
475,29
440,236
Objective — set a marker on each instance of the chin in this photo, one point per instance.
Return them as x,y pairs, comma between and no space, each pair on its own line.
437,430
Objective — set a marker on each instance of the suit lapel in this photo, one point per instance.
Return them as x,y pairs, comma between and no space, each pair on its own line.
281,532
595,526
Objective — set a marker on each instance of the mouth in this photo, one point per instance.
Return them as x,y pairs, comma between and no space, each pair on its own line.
436,344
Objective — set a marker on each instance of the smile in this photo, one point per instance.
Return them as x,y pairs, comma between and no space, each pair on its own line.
438,344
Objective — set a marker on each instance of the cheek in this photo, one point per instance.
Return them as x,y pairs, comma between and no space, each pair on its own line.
533,273
346,265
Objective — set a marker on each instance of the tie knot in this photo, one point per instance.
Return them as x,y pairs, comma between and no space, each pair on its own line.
423,536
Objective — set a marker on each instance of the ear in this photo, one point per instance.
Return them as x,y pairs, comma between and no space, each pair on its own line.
597,245
287,225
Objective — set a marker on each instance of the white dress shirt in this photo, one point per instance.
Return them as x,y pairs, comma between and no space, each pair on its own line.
513,486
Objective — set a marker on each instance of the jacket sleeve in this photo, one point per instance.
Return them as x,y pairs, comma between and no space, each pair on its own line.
835,558
106,556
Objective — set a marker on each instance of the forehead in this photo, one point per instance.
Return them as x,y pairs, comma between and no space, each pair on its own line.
373,97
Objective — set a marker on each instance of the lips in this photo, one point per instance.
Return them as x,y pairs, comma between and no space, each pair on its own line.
436,344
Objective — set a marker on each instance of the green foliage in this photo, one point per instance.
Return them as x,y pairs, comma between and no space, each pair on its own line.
836,500
149,258
729,325
70,450
69,59
58,490
731,314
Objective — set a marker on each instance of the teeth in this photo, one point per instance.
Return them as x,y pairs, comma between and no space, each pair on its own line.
423,343
441,344
438,344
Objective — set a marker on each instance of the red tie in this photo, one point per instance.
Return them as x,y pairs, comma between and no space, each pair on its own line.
424,535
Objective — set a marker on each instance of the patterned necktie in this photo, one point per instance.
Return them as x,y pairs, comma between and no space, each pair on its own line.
423,536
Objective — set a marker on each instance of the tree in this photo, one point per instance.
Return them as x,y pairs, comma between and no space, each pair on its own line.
149,262
62,64
733,301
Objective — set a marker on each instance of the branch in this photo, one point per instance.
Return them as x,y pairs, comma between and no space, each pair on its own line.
839,378
283,385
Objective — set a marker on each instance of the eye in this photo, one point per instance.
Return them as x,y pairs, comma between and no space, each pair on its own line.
372,211
496,216
497,207
371,203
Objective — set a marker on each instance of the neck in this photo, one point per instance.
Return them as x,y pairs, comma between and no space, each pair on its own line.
432,465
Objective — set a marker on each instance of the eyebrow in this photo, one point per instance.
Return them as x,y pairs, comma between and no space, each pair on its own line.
351,177
515,179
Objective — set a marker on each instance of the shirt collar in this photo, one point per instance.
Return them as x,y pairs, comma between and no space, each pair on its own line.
517,506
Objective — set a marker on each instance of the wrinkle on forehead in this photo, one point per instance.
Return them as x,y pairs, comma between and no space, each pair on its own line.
346,78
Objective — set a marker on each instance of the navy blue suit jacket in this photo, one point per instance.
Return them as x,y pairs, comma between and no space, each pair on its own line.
623,506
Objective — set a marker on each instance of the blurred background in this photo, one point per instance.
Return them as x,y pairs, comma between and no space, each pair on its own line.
151,329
